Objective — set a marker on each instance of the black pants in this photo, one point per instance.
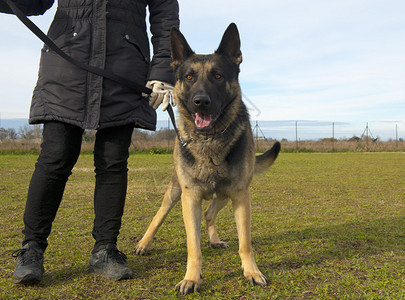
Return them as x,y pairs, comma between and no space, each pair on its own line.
60,150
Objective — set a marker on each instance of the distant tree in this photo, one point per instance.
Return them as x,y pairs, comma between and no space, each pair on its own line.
328,140
8,134
3,134
37,131
140,135
12,134
27,132
354,139
165,134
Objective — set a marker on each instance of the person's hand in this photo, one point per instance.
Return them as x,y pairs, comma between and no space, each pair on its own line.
162,92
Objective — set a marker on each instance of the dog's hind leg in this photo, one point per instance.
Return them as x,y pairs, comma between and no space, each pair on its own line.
242,209
171,197
210,216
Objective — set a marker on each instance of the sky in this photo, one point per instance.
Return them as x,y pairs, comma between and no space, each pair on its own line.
312,61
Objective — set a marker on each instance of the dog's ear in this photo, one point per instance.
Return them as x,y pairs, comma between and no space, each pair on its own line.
179,47
230,44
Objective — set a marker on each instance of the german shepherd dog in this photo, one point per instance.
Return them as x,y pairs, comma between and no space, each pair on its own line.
216,160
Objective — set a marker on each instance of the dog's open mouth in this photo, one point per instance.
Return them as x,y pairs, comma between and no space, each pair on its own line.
203,120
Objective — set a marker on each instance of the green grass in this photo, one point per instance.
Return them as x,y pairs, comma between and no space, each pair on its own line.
324,226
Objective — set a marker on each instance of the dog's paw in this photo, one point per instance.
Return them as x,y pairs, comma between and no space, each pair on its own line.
256,278
219,245
185,287
141,249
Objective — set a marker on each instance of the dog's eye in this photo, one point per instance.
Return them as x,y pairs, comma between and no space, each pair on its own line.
189,77
218,76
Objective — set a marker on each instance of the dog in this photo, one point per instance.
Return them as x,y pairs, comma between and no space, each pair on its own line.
214,158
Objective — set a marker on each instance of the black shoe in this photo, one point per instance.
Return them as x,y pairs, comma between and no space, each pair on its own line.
110,262
30,264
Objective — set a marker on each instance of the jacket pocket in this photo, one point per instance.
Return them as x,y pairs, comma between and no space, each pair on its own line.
133,42
73,39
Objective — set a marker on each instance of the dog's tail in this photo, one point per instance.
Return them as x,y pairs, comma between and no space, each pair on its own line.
264,161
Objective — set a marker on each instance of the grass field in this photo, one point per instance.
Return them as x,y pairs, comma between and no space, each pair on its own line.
324,226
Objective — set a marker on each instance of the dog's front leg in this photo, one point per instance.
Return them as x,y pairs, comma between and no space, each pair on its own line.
191,204
242,211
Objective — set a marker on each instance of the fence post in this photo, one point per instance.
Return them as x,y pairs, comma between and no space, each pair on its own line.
296,135
396,136
333,136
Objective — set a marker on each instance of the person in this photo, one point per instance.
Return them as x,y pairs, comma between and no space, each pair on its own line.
111,35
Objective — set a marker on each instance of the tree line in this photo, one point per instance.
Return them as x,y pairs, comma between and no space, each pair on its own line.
28,139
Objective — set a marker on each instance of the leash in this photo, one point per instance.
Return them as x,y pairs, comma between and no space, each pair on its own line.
92,69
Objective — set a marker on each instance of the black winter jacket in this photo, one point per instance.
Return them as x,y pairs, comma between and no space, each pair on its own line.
107,34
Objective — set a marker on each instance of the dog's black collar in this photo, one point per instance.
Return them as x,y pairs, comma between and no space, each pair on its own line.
219,132
184,142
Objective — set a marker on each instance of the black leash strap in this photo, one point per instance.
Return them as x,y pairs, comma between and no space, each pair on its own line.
101,72
173,119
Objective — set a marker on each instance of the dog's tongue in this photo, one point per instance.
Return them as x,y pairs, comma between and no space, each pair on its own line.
202,120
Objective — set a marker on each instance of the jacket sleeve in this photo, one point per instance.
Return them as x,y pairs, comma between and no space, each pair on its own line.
163,15
29,7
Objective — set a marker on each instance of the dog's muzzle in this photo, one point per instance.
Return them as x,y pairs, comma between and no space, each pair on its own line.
202,118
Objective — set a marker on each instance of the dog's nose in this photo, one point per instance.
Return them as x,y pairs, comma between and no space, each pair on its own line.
202,101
